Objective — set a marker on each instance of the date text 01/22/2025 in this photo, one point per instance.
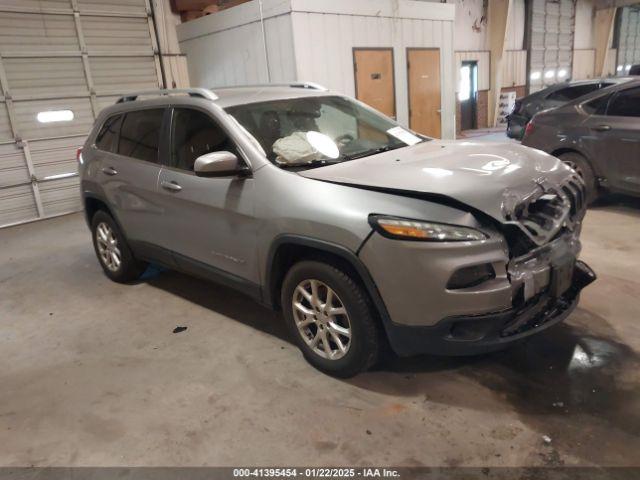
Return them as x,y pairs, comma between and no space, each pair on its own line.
335,473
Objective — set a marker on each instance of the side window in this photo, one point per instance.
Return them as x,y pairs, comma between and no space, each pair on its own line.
108,133
625,104
140,134
597,106
571,93
194,134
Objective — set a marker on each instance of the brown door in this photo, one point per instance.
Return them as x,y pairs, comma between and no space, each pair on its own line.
423,70
375,84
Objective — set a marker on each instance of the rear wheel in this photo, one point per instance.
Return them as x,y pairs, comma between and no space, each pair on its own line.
112,250
331,319
582,168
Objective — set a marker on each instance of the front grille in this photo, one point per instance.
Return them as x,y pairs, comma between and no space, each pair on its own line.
543,216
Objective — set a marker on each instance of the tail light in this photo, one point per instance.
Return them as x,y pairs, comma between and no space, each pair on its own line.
528,129
79,155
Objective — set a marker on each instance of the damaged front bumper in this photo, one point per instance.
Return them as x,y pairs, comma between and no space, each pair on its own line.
474,334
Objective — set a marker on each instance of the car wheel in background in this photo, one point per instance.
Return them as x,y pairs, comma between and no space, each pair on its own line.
582,167
331,319
112,250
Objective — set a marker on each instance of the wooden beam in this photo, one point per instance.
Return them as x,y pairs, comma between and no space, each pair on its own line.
497,18
603,30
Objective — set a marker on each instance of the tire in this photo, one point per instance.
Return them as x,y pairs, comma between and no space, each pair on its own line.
582,167
361,349
109,243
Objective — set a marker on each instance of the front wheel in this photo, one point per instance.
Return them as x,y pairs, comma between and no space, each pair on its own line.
582,168
331,319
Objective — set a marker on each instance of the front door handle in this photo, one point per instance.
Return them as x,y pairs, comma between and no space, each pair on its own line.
109,171
602,128
171,186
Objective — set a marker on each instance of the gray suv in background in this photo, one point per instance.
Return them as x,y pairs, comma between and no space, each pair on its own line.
362,232
552,97
598,136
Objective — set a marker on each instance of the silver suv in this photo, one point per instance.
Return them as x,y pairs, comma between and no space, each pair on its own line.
364,233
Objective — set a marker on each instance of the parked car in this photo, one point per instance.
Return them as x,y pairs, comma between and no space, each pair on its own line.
552,97
598,136
360,230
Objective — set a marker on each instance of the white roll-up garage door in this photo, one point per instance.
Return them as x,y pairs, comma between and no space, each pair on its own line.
628,40
550,42
61,62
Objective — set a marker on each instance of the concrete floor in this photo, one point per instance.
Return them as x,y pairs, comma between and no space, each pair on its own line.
91,373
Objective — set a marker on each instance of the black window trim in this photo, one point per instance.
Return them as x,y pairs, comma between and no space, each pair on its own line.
163,138
170,133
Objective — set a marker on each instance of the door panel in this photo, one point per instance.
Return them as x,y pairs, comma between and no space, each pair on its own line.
615,140
129,174
375,84
424,91
209,220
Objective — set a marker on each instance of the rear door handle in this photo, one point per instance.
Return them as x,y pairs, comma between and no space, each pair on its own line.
602,128
171,186
109,171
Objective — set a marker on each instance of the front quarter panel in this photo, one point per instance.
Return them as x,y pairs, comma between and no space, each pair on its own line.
289,204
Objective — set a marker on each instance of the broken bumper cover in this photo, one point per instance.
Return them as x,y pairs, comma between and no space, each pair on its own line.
475,334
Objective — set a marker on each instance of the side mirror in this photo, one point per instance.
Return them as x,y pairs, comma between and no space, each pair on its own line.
218,164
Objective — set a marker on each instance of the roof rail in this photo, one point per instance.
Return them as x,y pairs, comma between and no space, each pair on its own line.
308,85
192,92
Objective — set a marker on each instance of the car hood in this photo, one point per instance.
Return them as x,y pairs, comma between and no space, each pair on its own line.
490,177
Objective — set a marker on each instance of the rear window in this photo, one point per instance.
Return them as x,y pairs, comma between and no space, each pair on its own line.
108,133
140,134
571,93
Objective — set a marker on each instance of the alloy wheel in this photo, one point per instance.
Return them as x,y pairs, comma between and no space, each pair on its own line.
108,248
322,319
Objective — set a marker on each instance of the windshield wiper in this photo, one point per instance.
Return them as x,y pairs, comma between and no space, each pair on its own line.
373,151
312,163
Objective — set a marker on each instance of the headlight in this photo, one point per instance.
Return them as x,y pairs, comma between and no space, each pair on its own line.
406,229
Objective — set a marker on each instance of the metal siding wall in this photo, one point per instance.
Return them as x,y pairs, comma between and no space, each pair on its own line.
551,40
228,57
514,68
62,55
629,40
324,53
583,64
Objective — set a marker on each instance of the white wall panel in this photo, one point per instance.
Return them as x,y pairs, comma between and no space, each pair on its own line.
30,128
629,39
105,35
516,26
17,205
583,34
583,64
514,68
470,26
5,126
60,196
13,170
45,76
123,74
55,157
37,32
